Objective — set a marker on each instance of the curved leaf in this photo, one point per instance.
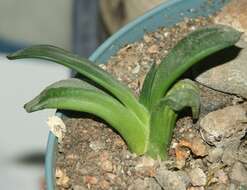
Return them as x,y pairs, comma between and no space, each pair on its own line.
77,96
88,69
185,93
147,86
188,51
163,117
75,83
163,120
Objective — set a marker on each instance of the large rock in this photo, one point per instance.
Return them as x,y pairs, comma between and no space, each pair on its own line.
172,180
239,173
198,177
227,124
229,77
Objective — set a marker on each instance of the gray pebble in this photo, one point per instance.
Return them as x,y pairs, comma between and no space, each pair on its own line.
215,154
172,180
239,173
146,184
197,177
219,125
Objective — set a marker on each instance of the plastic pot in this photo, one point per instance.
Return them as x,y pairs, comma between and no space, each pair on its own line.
167,14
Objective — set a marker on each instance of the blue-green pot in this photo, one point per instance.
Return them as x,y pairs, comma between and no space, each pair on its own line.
167,14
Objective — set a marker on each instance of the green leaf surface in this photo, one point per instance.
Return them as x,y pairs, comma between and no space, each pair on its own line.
163,117
80,96
74,83
147,86
163,120
190,50
88,69
185,93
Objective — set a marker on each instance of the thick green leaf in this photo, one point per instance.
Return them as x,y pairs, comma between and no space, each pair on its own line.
147,86
88,69
74,83
190,50
80,96
162,122
185,93
163,117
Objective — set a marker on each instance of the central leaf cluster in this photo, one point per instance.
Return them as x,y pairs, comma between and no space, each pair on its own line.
147,123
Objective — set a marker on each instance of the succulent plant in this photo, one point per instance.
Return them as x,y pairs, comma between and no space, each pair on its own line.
146,123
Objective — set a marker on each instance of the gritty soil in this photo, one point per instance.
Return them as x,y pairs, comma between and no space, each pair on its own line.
93,156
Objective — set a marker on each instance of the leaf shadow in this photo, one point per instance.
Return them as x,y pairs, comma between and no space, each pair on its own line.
214,60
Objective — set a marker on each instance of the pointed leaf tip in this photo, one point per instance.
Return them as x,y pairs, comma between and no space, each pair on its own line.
87,69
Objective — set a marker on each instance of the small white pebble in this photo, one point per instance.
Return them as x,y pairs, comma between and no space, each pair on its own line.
107,165
147,39
166,34
174,145
192,28
96,145
62,178
136,69
58,173
103,66
57,127
129,173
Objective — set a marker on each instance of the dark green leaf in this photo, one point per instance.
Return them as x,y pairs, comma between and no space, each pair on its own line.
163,120
77,96
74,83
88,69
190,50
147,86
163,117
184,93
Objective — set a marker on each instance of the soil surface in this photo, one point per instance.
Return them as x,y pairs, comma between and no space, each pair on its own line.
93,156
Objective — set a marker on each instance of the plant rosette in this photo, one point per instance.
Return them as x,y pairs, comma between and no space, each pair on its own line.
146,122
